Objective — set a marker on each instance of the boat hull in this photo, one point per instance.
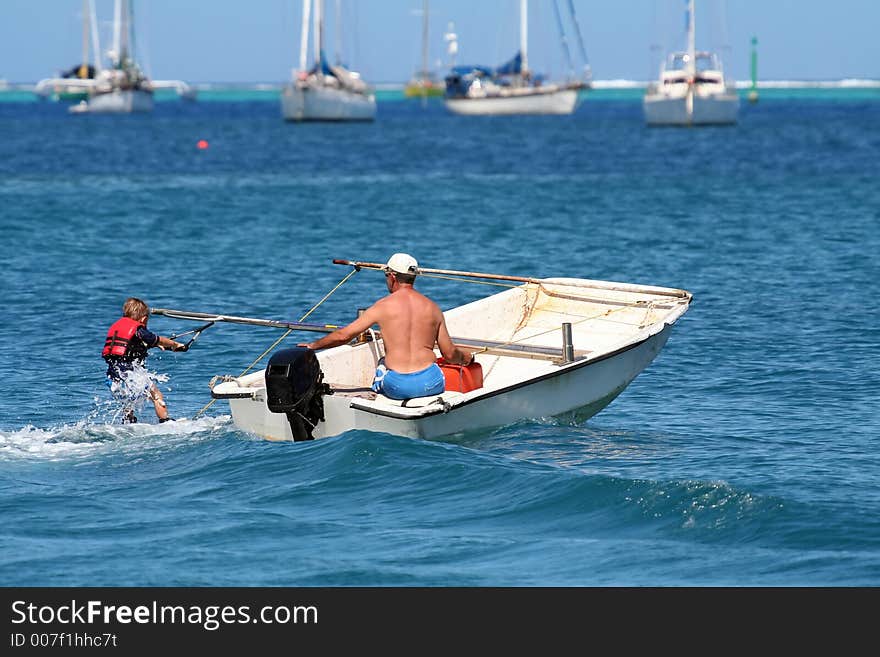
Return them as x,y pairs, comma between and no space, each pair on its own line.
117,102
720,109
309,103
562,101
579,389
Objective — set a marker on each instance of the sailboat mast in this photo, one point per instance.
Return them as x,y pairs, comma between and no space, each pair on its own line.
451,39
96,44
124,27
338,54
524,33
84,63
425,39
304,35
130,45
692,43
117,22
318,32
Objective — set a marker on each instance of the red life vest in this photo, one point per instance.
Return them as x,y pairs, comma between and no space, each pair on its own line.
119,337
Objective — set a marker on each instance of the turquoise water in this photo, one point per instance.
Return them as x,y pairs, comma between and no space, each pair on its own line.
746,454
633,91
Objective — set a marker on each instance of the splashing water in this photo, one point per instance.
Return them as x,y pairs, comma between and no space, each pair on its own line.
130,393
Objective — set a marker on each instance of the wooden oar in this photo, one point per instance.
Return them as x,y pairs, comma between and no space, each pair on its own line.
484,346
602,285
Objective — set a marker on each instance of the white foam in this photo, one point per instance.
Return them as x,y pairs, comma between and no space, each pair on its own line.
85,438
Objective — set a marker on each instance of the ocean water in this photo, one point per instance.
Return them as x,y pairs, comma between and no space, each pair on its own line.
747,454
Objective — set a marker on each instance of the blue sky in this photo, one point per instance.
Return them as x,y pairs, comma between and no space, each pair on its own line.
258,40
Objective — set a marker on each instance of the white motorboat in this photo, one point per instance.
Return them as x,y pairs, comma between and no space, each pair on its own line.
691,89
325,92
513,88
544,348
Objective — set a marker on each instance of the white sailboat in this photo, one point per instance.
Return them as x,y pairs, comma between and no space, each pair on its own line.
424,83
325,92
121,87
692,89
512,88
62,91
74,83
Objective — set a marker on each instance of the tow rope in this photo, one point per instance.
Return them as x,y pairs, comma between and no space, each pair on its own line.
196,333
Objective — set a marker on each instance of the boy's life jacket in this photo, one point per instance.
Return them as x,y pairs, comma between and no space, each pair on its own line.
122,341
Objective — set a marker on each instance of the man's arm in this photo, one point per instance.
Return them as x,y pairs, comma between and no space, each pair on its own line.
450,352
346,333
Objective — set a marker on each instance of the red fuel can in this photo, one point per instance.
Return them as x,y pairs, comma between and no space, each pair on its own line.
461,378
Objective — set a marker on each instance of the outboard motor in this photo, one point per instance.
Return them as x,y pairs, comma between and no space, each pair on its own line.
295,387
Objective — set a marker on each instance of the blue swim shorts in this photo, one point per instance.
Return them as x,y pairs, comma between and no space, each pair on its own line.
395,385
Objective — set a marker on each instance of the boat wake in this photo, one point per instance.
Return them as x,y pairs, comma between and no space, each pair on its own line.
87,437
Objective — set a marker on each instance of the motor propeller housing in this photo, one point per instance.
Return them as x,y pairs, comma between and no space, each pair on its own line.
294,386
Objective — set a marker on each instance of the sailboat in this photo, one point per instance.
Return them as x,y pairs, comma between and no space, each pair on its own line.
121,87
513,88
424,82
324,92
68,86
691,89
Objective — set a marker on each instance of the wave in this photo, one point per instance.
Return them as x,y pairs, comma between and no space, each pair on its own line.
394,511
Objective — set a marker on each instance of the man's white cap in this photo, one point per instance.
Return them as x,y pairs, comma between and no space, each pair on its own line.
402,263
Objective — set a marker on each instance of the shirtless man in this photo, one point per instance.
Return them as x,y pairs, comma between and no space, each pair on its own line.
411,324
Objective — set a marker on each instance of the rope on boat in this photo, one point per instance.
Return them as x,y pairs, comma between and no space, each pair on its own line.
286,333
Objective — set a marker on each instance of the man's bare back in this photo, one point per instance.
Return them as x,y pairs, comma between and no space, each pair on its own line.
410,323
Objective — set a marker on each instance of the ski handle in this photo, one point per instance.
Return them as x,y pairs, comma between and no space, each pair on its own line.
196,333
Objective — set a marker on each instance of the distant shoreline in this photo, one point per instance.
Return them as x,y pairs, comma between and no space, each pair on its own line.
845,83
